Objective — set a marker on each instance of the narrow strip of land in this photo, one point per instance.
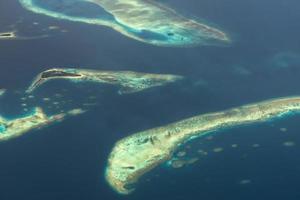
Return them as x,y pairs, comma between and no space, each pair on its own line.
137,154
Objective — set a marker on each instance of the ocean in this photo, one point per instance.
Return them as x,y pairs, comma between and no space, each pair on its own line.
67,160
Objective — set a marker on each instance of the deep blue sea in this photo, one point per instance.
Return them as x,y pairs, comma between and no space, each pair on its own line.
66,161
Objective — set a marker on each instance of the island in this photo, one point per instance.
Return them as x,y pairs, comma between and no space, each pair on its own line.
12,128
139,153
147,21
16,35
8,35
128,81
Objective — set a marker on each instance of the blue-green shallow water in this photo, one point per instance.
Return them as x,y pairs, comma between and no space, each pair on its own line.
67,160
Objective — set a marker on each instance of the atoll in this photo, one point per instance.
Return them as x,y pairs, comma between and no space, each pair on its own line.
12,128
128,81
139,153
144,20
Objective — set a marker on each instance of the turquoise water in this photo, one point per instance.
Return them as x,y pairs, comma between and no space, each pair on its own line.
2,129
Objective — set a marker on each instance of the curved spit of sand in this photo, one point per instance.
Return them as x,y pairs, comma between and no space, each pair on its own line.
144,20
128,81
12,128
137,154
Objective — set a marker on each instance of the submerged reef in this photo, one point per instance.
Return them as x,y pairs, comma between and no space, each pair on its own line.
2,92
284,60
129,81
12,128
139,153
144,20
